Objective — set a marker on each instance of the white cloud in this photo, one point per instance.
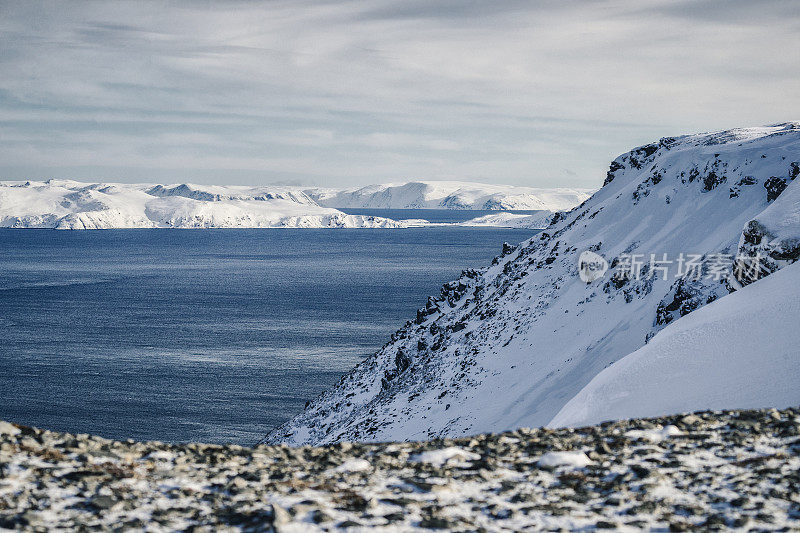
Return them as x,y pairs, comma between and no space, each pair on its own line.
356,91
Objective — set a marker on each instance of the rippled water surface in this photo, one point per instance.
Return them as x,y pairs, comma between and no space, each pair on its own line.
206,335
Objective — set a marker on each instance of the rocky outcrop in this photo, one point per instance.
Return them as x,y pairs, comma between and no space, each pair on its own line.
711,470
771,240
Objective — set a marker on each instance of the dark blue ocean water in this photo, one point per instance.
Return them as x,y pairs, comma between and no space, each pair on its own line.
205,335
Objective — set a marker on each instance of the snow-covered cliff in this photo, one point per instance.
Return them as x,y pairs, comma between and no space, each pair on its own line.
450,195
64,204
510,345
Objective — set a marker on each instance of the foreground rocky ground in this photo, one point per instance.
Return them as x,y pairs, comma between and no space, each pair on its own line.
738,469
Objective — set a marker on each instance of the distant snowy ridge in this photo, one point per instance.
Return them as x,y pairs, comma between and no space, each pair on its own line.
217,193
450,195
512,344
67,204
512,220
64,204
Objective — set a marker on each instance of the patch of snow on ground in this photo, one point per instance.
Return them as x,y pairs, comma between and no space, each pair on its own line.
444,456
8,429
654,435
353,465
571,459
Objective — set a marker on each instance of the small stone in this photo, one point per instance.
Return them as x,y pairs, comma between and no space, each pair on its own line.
741,521
104,502
319,516
237,483
690,420
741,501
616,501
436,522
715,521
394,517
602,447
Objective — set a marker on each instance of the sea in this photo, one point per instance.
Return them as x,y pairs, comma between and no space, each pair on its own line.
208,335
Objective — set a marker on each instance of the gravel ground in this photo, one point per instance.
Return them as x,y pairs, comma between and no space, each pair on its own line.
720,470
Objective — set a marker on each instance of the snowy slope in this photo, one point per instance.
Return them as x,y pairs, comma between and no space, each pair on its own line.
63,204
742,351
512,220
450,195
511,344
774,234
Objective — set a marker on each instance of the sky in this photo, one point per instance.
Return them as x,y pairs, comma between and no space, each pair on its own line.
347,93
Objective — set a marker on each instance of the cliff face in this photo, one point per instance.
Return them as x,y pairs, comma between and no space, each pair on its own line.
511,344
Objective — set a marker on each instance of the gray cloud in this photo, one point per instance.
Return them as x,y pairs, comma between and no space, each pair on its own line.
336,93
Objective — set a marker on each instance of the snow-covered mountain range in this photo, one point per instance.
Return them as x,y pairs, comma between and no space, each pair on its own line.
451,195
682,222
74,205
65,204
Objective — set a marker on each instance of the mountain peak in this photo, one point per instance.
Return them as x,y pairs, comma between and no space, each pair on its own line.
511,344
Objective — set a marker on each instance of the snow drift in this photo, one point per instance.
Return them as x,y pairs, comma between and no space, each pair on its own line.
741,351
511,344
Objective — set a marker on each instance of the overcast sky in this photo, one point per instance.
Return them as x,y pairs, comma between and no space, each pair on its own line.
539,93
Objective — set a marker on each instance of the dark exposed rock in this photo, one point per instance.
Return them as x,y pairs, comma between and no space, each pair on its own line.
775,186
402,361
683,298
737,188
712,180
558,216
754,233
640,156
507,249
611,170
